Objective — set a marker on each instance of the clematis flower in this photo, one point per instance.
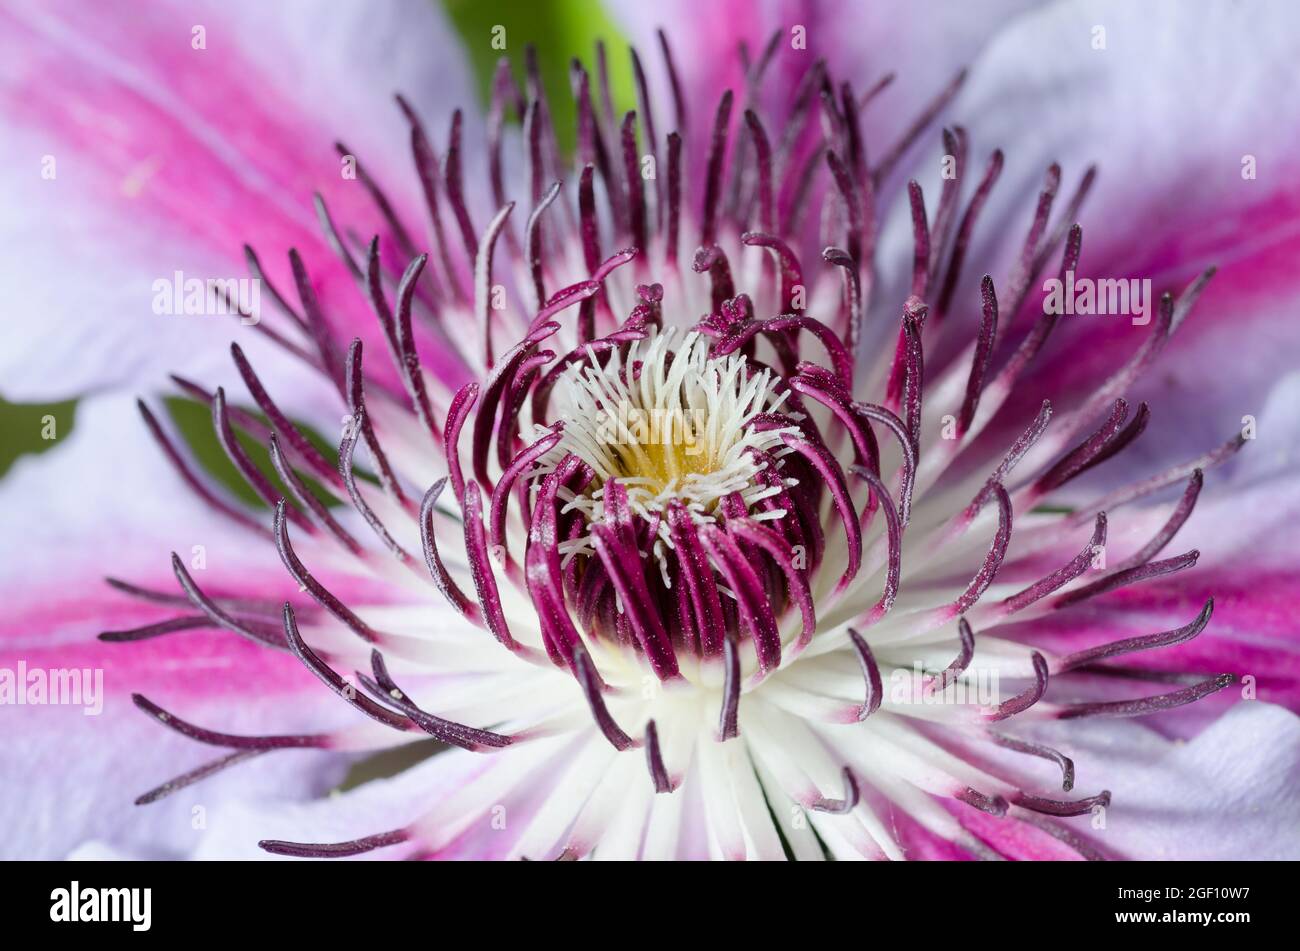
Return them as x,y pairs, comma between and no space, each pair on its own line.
728,488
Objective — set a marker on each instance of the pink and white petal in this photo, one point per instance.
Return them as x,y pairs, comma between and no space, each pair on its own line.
380,805
1171,111
105,503
1248,565
1242,527
1228,793
81,772
169,158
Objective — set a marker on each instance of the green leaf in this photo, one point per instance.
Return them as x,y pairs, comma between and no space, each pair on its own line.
561,30
193,420
32,427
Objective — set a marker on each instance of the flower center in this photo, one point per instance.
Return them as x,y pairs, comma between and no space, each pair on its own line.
670,425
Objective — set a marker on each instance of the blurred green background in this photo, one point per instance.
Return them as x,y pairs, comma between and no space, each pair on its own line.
559,29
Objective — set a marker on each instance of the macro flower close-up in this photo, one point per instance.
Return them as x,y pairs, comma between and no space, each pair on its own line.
813,430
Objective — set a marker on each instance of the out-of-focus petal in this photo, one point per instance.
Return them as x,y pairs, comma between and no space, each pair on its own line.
105,503
1242,526
1228,793
1187,119
861,42
167,158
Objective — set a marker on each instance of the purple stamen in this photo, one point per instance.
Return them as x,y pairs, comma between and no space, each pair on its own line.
698,576
589,680
1062,576
259,274
315,741
713,173
1176,519
967,227
177,783
252,475
782,553
410,357
304,448
461,406
1180,635
1145,705
728,725
1167,478
444,581
894,538
919,125
483,282
1121,579
340,249
330,678
763,161
179,464
679,101
853,296
1024,271
347,453
455,191
317,326
949,675
355,390
979,367
255,631
635,184
648,124
623,564
533,242
1042,752
381,202
1061,807
308,500
860,238
1067,220
1061,834
1086,454
655,760
485,582
954,144
791,278
157,629
841,807
308,583
993,805
870,674
1042,329
1023,701
993,560
465,737
426,168
896,426
674,197
920,240
535,167
334,850
714,261
829,469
